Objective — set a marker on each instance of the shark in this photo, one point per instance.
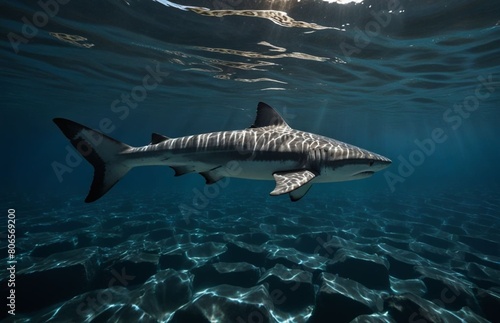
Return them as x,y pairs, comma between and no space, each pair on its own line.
267,150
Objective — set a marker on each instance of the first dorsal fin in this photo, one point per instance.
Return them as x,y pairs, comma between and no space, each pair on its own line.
267,116
157,138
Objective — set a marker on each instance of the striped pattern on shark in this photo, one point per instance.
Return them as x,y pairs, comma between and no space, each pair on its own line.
268,150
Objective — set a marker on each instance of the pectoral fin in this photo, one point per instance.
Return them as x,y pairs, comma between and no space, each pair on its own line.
300,192
289,181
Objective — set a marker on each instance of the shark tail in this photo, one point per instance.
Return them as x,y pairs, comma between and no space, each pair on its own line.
103,152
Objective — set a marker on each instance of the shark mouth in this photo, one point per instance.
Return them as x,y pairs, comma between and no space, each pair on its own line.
365,173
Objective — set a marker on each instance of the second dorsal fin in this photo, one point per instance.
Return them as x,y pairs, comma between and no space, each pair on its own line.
157,138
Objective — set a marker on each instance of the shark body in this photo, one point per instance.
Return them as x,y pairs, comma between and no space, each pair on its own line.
268,150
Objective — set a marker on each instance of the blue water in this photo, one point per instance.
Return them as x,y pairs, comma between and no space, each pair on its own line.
416,82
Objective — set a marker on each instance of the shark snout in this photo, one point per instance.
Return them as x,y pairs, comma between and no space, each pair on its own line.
380,163
370,166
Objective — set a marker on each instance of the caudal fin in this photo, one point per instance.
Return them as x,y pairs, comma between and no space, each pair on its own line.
101,151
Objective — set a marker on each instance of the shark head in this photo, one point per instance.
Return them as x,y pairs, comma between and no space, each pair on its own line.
367,167
346,162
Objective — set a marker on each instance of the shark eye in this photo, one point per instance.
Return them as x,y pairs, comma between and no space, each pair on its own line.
371,163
